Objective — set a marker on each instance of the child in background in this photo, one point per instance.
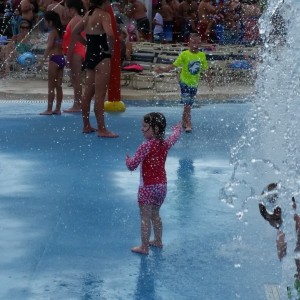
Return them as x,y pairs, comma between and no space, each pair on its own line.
56,64
158,32
193,62
151,155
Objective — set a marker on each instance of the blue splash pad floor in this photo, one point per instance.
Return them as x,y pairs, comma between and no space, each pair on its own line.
69,216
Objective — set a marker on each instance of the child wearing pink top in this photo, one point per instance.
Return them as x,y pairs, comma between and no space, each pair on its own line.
151,156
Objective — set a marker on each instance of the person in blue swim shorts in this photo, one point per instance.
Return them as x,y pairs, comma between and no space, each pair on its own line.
192,63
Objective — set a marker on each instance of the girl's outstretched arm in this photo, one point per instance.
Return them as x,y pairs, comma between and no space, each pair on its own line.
173,138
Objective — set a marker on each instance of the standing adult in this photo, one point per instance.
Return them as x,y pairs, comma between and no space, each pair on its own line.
27,11
76,54
168,15
99,44
186,14
232,22
137,11
250,15
206,12
61,11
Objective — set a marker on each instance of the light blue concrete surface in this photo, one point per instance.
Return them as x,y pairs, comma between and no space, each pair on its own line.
69,215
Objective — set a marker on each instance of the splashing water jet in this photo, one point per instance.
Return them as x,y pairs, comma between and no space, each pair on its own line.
269,151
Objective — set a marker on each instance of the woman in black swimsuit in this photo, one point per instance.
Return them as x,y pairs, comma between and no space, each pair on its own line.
99,44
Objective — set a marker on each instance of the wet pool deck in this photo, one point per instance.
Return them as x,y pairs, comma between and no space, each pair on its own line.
68,211
32,89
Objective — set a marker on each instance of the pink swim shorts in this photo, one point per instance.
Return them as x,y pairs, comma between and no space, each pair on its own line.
152,194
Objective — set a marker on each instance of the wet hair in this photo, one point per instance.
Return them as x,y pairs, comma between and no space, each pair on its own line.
157,123
52,16
77,5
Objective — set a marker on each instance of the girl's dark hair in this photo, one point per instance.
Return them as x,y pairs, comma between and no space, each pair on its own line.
52,16
157,122
76,4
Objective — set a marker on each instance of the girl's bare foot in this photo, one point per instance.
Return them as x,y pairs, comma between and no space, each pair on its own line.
46,113
140,250
88,129
56,112
107,134
73,109
155,244
188,129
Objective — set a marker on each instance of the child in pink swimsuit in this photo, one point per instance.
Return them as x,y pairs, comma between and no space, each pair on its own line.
152,155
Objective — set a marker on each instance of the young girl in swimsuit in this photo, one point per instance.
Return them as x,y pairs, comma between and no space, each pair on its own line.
76,54
56,64
99,43
152,155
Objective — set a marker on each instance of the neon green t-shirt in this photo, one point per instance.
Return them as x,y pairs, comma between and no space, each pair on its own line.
192,64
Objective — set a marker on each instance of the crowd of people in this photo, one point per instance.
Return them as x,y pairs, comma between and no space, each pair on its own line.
216,21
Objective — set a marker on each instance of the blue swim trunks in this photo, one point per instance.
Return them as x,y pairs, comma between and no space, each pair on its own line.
188,94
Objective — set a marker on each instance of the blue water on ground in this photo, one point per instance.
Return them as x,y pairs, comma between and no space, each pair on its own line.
69,214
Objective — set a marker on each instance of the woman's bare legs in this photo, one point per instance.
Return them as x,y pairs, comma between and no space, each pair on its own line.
75,69
102,75
89,92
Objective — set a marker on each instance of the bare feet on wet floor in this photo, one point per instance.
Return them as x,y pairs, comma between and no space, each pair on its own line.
56,112
140,250
46,113
188,129
88,129
107,134
73,109
155,244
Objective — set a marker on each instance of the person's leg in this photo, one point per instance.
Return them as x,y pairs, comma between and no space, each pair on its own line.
52,75
157,227
75,69
102,75
281,245
186,118
89,92
59,91
145,213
